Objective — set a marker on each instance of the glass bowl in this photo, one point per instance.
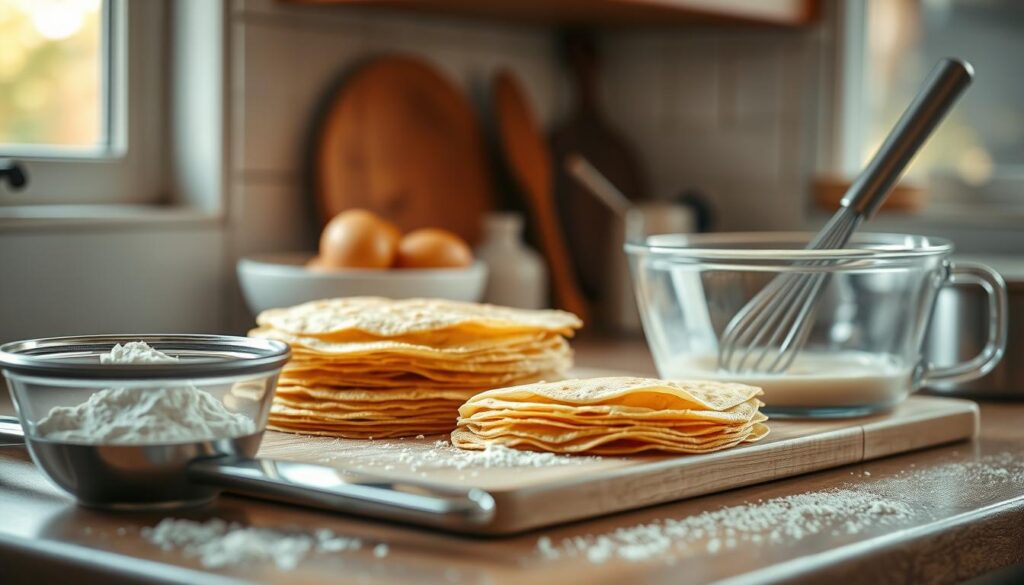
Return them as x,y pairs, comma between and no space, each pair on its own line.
57,377
863,353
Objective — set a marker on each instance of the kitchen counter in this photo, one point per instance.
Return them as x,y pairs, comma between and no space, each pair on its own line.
967,502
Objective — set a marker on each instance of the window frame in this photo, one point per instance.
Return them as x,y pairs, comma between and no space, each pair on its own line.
130,170
852,103
852,116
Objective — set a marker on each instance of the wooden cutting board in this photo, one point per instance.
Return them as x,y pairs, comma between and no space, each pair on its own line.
401,140
531,497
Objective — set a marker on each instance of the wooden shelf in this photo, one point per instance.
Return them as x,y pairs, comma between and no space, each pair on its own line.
784,13
906,196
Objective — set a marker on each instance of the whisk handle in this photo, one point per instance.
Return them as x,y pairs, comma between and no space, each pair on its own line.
945,84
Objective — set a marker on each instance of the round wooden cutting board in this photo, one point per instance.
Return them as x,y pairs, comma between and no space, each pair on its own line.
400,140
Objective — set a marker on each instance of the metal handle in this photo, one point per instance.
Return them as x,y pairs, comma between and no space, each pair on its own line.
947,82
995,289
597,184
333,489
10,430
14,173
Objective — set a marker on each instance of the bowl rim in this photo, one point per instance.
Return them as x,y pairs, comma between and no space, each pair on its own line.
873,246
252,356
293,264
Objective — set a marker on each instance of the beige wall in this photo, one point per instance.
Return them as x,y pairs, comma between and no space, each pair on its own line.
130,278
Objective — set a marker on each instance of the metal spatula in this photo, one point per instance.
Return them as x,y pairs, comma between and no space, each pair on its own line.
766,335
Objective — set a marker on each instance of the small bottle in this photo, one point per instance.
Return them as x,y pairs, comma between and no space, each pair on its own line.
516,273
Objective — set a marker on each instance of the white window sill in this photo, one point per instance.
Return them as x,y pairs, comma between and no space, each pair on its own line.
33,217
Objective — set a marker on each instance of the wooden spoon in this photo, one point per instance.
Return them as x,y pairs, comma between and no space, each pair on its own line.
528,157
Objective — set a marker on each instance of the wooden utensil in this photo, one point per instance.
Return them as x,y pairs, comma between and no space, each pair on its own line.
587,223
400,140
528,157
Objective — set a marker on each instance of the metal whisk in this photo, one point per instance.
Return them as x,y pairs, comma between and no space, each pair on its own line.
766,335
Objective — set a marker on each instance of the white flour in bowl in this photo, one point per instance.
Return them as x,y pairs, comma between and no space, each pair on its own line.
136,352
143,415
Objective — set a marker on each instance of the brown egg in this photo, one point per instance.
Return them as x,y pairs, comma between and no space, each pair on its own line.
358,239
433,248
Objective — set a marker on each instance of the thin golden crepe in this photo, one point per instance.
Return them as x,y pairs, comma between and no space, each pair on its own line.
413,320
613,416
368,367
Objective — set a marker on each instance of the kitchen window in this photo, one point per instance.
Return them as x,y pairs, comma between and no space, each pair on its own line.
81,95
977,155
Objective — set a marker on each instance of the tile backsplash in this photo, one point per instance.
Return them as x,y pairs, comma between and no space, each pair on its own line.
286,63
728,113
286,58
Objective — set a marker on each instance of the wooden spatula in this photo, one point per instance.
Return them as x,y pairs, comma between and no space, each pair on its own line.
529,160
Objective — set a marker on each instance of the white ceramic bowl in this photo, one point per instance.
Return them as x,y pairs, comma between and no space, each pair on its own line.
282,280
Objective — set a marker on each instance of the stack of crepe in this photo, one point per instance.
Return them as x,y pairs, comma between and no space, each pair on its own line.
367,367
613,416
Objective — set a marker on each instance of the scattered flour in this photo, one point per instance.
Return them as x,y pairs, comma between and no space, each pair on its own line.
217,543
979,476
780,519
143,415
851,510
444,454
440,454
